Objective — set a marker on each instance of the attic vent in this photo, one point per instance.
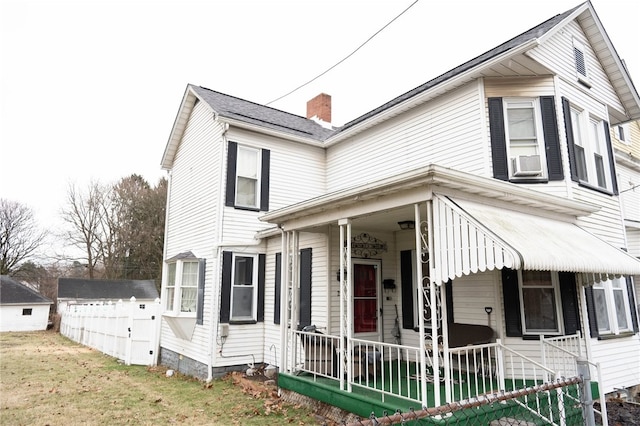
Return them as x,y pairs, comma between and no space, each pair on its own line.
580,65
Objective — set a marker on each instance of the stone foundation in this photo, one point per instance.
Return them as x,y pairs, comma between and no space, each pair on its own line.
190,367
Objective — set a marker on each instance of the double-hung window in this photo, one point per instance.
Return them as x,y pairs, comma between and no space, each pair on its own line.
243,285
612,307
244,288
592,163
539,294
248,177
525,142
184,279
523,131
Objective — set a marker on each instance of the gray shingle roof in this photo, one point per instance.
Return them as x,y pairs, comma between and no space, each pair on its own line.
14,292
246,111
78,288
533,33
260,115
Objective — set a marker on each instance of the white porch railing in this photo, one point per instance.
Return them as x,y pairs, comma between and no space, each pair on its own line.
395,370
561,354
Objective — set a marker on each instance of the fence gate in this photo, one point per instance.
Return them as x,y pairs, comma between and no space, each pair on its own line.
126,330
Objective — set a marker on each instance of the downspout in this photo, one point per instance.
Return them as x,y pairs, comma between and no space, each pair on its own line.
164,256
216,288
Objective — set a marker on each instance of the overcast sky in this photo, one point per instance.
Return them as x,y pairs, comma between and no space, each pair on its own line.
90,89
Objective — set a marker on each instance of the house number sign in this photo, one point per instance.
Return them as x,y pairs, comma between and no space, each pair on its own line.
365,245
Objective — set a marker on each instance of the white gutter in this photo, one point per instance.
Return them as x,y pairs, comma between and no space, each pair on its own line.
271,132
433,175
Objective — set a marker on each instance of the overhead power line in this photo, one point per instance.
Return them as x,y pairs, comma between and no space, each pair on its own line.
345,58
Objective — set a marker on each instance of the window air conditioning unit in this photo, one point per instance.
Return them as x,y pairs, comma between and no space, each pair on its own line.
526,165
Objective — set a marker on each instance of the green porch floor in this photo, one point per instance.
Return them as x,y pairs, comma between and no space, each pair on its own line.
365,400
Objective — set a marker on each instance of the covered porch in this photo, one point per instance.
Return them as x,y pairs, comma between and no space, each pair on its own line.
460,227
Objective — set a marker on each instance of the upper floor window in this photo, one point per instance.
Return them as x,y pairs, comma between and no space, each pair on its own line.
610,304
247,177
525,143
623,133
523,128
590,152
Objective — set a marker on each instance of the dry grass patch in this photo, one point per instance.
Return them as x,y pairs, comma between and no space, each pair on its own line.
46,379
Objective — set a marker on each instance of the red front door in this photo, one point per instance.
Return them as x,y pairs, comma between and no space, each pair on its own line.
365,298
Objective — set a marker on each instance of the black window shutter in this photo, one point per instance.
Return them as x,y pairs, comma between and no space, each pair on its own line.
408,294
232,156
511,295
632,305
551,138
278,285
305,287
591,311
569,300
262,261
264,180
448,288
200,304
566,111
498,139
225,291
612,162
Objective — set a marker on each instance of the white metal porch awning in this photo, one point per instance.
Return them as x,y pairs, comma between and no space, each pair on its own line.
470,237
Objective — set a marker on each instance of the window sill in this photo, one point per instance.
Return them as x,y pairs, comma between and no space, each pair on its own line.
595,188
240,322
616,336
514,179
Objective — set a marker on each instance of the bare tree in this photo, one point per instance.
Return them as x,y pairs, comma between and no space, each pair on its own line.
84,213
19,235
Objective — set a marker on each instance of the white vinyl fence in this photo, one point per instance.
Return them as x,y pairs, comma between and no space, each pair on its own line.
126,330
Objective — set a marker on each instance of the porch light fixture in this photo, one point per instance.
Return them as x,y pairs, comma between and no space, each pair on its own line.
407,224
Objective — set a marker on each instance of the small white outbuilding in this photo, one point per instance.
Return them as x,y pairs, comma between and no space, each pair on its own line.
22,308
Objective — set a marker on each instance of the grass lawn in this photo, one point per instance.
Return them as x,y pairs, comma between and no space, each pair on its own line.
46,379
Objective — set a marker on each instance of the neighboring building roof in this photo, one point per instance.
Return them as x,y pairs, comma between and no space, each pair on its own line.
13,292
78,288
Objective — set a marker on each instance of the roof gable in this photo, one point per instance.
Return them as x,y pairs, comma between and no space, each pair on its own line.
239,111
14,292
78,288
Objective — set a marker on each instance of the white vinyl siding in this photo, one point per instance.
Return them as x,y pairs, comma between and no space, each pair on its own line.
557,54
448,132
194,188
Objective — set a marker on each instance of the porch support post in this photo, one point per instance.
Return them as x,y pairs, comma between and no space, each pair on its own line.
422,245
294,300
433,303
346,308
285,313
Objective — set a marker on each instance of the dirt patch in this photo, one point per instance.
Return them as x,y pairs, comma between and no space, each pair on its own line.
620,413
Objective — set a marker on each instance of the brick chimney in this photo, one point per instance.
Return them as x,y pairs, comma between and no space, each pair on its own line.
320,108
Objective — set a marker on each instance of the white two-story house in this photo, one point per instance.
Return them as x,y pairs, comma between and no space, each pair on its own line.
470,222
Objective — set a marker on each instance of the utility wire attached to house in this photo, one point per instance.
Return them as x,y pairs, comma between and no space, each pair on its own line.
345,58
